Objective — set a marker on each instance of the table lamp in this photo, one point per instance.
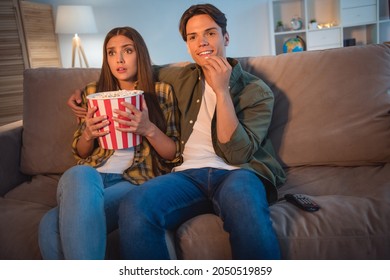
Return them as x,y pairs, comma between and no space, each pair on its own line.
76,20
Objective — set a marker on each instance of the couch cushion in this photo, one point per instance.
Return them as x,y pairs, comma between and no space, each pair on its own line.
19,229
206,234
331,107
41,189
48,122
351,224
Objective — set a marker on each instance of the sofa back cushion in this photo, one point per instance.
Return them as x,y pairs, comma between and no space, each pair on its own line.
48,122
332,107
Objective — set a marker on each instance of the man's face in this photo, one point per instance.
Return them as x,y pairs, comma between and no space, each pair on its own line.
204,38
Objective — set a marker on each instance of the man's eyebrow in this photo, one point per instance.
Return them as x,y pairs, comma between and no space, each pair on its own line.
207,30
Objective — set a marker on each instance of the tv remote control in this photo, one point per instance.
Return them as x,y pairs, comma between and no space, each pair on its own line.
302,201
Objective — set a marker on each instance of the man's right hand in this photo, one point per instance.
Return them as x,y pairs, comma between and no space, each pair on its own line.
74,102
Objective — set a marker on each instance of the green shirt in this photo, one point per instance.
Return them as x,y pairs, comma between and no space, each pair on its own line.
249,146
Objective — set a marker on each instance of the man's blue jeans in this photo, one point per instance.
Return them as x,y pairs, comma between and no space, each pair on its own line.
164,203
87,210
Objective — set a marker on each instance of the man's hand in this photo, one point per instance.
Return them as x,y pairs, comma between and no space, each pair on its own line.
74,102
217,72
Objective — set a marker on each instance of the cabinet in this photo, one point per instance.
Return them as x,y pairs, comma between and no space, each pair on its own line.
329,23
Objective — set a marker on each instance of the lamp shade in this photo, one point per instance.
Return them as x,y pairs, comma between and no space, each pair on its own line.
75,19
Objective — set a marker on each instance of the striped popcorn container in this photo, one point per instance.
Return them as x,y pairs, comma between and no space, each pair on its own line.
107,102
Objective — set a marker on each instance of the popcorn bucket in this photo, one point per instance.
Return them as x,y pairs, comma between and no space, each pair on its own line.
106,102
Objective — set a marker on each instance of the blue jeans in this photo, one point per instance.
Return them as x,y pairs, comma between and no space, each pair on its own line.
87,211
164,203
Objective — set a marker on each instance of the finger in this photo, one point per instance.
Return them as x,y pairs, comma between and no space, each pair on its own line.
99,125
77,95
91,111
218,62
129,106
126,121
80,113
122,115
80,116
125,129
145,108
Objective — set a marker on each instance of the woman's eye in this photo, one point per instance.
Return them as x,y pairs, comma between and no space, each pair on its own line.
110,53
128,51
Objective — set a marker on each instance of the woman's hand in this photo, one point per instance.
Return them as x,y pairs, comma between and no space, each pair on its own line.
93,125
135,121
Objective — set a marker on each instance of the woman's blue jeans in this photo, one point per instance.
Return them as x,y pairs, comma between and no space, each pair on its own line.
87,211
164,203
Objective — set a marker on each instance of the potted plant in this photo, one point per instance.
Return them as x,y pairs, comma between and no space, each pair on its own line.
279,26
313,24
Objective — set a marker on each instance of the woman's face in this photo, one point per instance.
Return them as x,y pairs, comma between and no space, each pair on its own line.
122,60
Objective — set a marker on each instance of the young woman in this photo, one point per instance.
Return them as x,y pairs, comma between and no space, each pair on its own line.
89,193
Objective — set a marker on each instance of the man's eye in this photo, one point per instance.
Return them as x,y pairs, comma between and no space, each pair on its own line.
191,38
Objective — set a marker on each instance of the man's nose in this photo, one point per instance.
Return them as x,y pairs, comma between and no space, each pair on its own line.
203,41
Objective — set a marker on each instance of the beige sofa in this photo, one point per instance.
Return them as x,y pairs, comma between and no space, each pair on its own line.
331,131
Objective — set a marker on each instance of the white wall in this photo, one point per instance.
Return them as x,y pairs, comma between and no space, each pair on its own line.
157,21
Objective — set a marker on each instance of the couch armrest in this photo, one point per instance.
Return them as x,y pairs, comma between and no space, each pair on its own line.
10,147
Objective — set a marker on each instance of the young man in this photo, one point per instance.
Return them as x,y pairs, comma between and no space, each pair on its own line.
228,165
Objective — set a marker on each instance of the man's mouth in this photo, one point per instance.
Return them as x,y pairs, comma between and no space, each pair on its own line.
205,53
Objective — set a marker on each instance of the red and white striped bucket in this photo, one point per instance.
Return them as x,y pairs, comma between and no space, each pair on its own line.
106,102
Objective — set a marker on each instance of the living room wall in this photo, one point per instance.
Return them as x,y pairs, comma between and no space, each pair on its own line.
157,21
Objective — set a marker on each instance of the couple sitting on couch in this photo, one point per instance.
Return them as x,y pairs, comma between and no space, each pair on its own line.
224,162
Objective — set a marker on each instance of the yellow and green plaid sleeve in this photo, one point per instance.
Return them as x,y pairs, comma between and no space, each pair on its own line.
99,155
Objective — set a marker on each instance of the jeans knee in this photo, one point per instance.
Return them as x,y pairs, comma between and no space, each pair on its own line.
79,180
48,225
243,184
79,172
241,191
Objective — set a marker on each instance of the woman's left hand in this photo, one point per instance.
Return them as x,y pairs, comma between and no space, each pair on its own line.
133,120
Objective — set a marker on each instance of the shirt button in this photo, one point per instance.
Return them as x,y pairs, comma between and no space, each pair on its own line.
182,142
197,101
191,121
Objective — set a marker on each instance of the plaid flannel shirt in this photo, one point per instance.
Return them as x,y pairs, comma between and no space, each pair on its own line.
142,168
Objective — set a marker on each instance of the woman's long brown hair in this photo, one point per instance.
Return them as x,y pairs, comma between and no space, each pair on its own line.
145,76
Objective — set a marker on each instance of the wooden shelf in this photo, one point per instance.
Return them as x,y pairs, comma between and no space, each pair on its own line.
365,21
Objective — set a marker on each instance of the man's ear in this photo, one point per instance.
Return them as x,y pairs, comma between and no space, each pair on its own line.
226,39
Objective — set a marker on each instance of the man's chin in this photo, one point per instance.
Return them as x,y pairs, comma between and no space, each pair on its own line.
201,60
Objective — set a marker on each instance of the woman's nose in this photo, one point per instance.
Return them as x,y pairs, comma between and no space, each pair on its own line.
120,58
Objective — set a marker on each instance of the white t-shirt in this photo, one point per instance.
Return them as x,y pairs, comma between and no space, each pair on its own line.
118,162
199,151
